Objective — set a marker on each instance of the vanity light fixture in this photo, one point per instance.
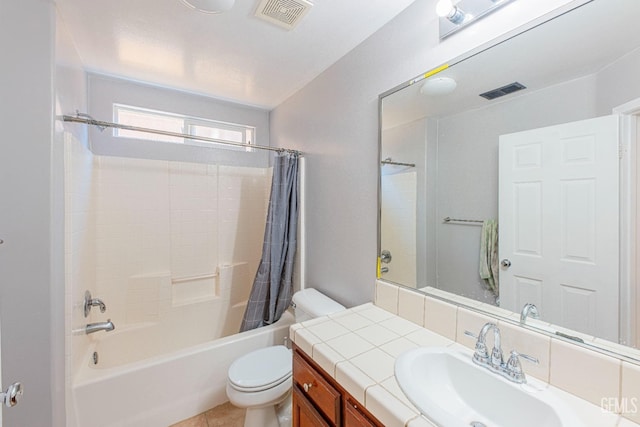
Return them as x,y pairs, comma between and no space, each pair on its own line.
457,14
210,6
446,9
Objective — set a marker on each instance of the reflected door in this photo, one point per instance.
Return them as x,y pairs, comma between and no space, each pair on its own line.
558,218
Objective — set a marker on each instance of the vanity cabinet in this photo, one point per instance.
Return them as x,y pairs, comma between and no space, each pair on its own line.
319,401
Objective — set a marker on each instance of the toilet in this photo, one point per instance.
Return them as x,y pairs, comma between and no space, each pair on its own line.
260,381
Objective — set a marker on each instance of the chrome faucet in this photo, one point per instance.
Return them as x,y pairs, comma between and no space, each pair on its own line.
529,310
100,326
512,370
481,355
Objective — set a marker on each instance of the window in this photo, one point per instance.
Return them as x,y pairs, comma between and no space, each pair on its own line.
160,120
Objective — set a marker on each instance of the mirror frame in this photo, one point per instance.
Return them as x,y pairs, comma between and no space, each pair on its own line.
626,353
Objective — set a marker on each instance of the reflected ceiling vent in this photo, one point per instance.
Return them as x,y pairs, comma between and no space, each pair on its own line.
283,13
502,91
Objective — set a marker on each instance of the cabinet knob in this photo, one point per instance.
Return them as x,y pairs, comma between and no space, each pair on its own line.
306,387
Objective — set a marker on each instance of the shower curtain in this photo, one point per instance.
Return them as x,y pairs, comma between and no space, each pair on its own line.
272,287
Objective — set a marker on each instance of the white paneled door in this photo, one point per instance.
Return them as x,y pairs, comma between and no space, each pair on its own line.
558,219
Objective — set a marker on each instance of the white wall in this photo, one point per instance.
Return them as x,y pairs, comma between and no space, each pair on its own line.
31,294
334,120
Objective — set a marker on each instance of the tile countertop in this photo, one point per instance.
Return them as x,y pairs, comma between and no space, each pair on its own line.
358,348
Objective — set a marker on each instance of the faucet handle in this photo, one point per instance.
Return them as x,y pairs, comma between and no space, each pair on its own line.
514,368
481,355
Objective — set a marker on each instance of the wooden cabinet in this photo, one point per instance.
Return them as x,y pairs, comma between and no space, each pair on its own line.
319,401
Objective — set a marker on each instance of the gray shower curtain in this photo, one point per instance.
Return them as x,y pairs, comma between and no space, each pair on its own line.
272,287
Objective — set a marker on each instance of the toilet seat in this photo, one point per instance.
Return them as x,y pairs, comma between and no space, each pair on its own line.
261,369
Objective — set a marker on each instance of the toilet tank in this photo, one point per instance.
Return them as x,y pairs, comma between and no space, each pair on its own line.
310,303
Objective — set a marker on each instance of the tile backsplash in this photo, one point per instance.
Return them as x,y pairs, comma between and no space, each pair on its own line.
604,380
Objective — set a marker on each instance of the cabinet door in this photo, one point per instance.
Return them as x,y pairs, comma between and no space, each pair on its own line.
304,414
324,396
353,417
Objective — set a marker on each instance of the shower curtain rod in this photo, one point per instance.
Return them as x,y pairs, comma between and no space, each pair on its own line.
87,119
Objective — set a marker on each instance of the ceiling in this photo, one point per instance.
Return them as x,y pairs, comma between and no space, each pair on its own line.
573,45
233,56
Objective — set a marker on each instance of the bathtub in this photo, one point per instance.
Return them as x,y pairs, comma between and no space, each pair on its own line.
127,389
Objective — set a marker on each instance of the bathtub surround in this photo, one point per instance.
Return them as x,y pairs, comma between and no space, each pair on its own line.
273,286
167,246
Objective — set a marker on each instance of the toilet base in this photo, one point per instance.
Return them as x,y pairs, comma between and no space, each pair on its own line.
278,415
265,416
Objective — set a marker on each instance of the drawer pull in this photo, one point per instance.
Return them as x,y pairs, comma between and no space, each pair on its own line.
306,387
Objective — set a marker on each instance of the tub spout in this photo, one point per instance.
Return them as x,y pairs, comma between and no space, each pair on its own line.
100,326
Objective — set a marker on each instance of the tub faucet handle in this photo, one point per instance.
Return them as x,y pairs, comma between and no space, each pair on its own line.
92,302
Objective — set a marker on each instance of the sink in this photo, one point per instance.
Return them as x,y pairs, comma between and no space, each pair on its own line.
451,391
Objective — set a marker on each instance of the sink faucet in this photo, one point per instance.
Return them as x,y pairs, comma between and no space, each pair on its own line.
529,310
512,370
100,326
481,355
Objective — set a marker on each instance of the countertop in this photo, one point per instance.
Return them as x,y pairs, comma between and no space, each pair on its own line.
358,348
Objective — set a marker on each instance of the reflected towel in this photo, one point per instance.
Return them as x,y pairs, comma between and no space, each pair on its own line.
489,268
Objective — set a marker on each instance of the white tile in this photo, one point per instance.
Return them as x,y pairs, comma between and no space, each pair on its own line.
377,335
306,340
351,321
353,380
470,321
411,306
375,363
361,307
315,321
630,391
424,337
530,343
375,314
585,373
327,330
399,325
388,410
440,317
398,346
392,386
420,421
387,296
327,358
292,331
350,345
591,415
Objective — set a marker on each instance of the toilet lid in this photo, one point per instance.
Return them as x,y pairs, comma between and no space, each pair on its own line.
261,369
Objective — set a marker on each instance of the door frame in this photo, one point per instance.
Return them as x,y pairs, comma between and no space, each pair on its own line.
628,114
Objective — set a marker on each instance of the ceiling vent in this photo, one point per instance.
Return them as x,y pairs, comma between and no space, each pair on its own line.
283,13
502,91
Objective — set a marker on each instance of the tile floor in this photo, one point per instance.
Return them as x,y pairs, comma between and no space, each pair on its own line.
225,415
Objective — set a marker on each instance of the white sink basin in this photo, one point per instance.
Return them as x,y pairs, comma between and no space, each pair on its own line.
451,391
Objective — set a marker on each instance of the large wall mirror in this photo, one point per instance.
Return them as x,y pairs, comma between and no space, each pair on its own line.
530,193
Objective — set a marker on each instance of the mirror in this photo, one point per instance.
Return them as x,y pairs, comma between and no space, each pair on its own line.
541,160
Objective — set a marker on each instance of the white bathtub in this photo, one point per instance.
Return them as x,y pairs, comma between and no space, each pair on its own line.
162,390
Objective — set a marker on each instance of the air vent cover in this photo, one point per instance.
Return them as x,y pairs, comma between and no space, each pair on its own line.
502,91
283,13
